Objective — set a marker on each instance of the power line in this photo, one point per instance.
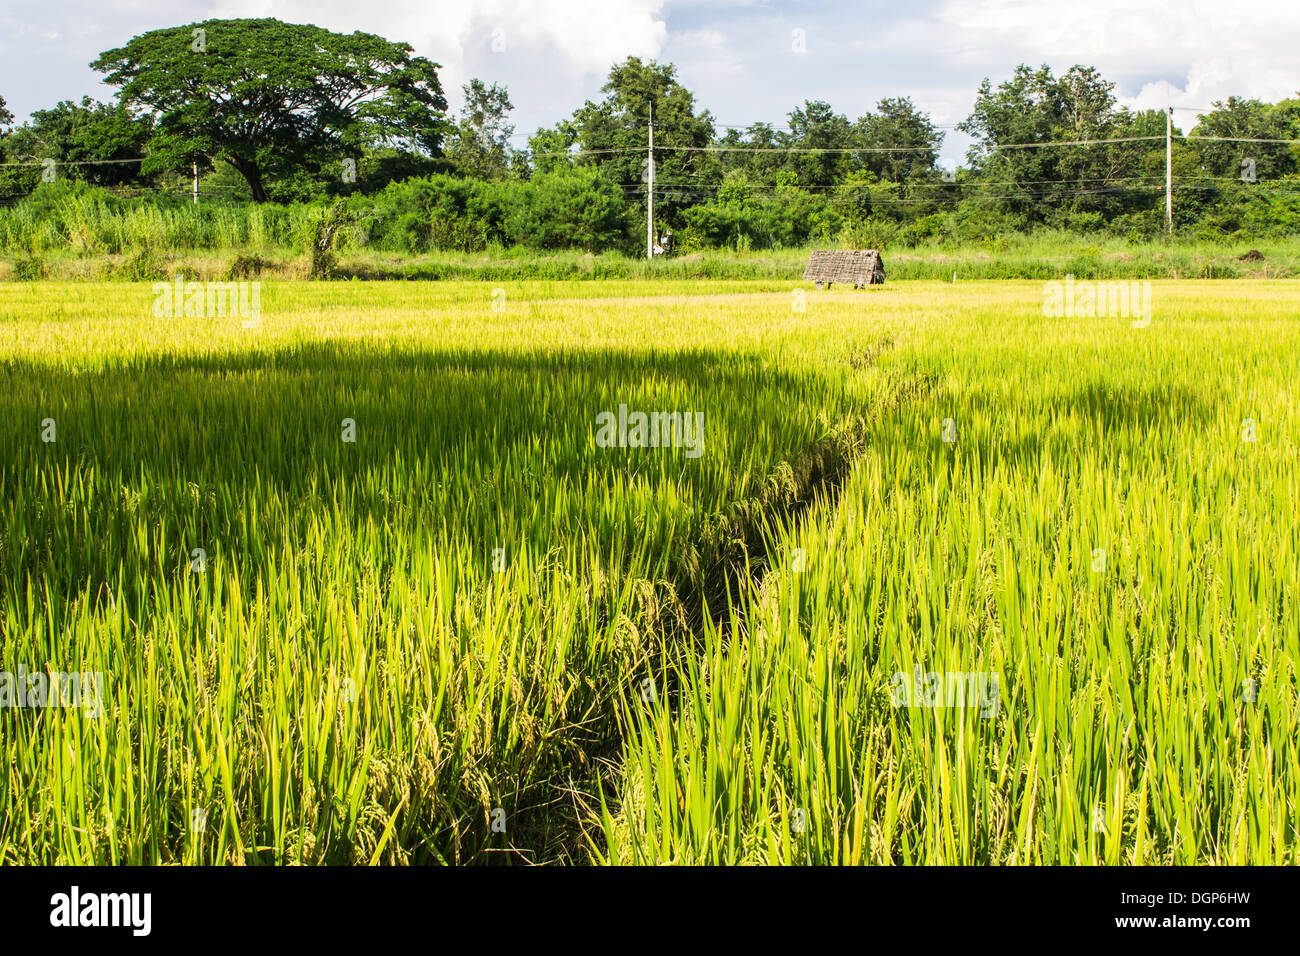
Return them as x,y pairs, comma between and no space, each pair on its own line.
1236,139
938,192
898,149
615,150
892,149
77,162
966,184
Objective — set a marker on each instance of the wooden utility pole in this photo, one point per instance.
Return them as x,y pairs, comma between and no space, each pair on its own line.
1169,172
650,190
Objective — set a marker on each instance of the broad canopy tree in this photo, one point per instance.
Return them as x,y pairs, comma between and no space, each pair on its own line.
1238,121
272,98
816,125
897,123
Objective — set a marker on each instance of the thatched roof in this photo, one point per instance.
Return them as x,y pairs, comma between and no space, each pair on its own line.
858,266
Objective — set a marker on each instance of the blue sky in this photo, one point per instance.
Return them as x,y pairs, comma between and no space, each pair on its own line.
746,60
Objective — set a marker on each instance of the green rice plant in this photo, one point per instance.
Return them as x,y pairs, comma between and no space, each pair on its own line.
366,587
1102,516
311,643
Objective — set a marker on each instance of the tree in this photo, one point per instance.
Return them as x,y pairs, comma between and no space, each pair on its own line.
550,149
1236,121
1051,181
12,183
760,167
480,145
817,126
613,132
88,133
897,123
273,98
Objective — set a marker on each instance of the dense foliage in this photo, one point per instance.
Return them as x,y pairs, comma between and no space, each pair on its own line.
279,113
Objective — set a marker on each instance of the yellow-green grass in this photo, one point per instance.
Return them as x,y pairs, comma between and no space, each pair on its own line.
372,562
350,679
1098,534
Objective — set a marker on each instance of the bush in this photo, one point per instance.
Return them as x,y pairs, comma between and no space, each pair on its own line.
29,268
326,237
144,266
437,212
568,209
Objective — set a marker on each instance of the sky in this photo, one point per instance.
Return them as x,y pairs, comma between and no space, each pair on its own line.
745,60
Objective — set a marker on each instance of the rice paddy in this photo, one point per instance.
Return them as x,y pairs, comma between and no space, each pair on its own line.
939,578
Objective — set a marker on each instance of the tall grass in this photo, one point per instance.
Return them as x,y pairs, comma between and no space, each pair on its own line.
352,676
86,233
669,659
1098,534
91,222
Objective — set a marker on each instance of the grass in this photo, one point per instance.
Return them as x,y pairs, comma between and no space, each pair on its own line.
1026,257
330,562
92,237
671,659
1099,535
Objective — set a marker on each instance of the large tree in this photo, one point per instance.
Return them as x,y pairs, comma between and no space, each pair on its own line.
750,157
816,125
11,184
1233,124
898,124
273,98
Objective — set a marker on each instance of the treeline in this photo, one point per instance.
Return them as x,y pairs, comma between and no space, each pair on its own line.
358,124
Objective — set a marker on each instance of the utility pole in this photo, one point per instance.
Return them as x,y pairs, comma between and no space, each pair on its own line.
196,184
1169,172
650,190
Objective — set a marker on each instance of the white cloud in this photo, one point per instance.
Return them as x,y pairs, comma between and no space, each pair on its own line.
552,54
1204,49
582,37
734,54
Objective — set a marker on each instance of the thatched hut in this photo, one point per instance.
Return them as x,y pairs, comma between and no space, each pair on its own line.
862,267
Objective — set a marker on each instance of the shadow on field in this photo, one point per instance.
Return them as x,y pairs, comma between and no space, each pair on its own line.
1020,434
159,454
237,447
277,416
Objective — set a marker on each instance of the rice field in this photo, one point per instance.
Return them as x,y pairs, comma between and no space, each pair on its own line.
938,578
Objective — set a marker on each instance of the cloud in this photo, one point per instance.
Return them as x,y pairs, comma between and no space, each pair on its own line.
551,54
576,36
736,55
1201,50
